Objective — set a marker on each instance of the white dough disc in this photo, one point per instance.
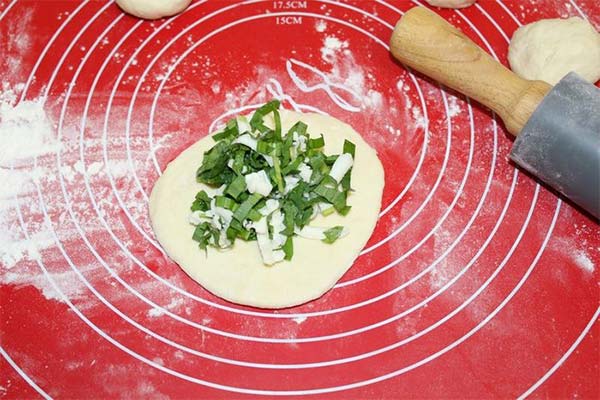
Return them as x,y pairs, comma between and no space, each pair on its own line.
153,9
238,274
549,49
451,3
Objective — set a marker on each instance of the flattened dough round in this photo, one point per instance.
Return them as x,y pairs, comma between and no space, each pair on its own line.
451,3
549,49
153,9
238,275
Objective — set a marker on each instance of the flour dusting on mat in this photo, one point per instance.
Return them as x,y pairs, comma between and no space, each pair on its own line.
25,129
331,46
584,262
320,25
26,132
453,107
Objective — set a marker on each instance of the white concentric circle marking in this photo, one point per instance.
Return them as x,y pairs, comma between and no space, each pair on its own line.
67,96
20,371
561,360
87,241
339,387
158,277
7,9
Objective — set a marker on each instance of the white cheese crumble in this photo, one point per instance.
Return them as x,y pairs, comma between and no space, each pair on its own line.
259,182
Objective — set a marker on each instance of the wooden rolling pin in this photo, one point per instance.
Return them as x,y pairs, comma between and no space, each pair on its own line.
557,129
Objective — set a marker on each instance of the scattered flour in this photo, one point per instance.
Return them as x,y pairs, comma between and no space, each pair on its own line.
418,117
299,320
331,47
68,281
92,169
453,107
25,129
174,305
18,42
584,262
321,26
25,132
15,249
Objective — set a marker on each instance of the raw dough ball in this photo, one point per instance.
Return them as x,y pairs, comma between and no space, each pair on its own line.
238,275
551,48
153,9
451,3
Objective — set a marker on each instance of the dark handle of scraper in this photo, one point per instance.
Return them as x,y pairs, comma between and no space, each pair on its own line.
557,129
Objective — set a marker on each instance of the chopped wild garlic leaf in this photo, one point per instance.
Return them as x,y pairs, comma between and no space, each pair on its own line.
271,184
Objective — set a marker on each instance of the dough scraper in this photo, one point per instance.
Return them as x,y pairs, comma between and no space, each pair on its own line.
557,128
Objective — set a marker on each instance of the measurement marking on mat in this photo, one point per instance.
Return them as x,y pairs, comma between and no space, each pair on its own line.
286,20
287,5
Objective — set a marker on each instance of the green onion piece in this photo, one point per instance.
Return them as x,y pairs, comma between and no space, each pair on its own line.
328,181
296,195
289,216
344,211
230,132
303,217
201,202
242,211
231,233
339,201
319,168
317,161
254,215
330,160
277,170
203,235
328,211
345,182
225,202
327,193
333,234
316,143
256,122
246,235
238,159
220,136
277,119
256,161
287,150
264,147
236,187
299,127
349,147
288,248
293,166
214,170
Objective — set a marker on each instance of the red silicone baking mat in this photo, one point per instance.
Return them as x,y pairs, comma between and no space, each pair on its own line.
477,281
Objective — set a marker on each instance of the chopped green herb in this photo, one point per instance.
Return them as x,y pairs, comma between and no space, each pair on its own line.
316,143
225,202
244,209
202,202
349,148
301,181
288,248
277,119
333,234
236,187
277,172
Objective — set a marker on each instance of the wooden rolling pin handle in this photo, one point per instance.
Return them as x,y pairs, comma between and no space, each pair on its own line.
427,43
